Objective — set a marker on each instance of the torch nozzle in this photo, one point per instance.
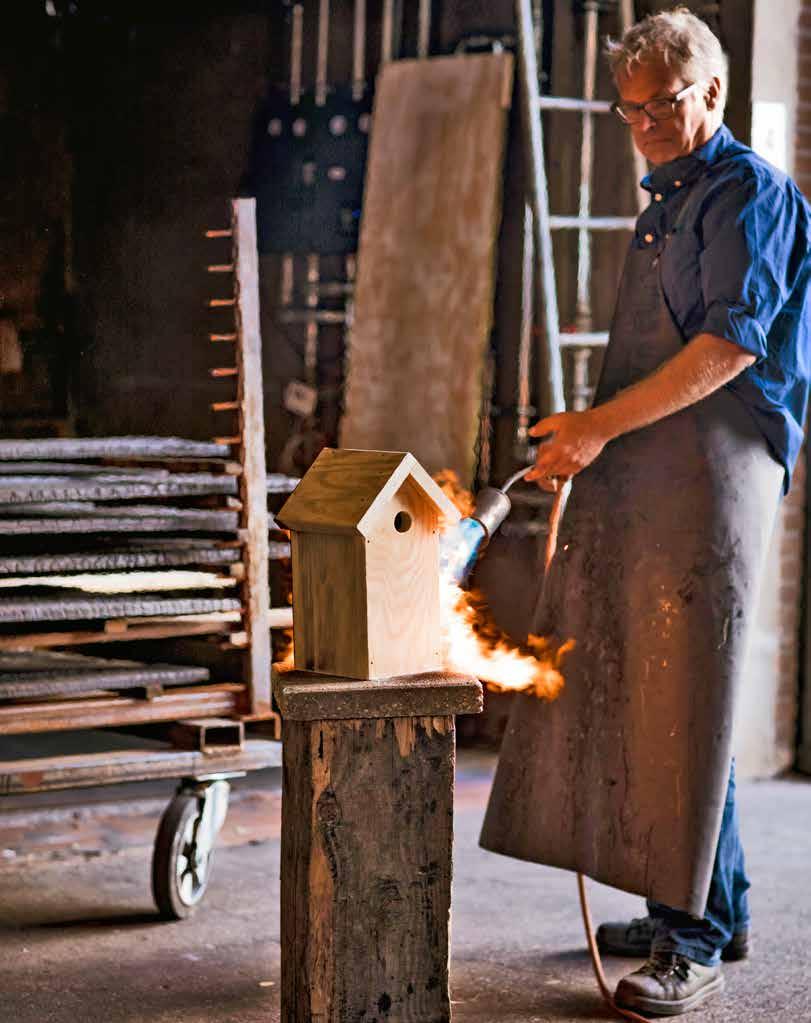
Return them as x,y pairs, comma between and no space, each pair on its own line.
492,504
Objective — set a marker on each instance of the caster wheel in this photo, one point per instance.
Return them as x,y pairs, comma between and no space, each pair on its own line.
182,857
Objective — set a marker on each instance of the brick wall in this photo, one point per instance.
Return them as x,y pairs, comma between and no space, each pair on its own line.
803,178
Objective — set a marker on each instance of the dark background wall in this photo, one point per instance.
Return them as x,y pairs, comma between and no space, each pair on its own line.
129,127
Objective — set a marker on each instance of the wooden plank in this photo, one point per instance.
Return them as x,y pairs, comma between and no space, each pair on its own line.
101,712
73,448
48,660
112,561
330,604
47,774
100,487
130,519
312,696
136,631
122,473
344,491
31,685
253,484
367,822
213,465
278,483
426,260
402,586
89,608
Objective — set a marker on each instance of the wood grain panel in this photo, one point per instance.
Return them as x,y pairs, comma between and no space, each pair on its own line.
338,490
46,774
253,486
402,583
62,715
367,831
329,604
426,262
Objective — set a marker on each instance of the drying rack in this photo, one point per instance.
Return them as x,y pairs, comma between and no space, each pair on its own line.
203,658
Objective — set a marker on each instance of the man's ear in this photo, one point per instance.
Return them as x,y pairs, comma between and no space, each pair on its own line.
712,94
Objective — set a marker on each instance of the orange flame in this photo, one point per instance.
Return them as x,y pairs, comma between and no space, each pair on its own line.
474,645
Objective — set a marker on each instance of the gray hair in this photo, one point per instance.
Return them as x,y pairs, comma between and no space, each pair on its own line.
681,39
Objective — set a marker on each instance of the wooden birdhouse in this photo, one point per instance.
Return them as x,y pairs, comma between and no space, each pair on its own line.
365,544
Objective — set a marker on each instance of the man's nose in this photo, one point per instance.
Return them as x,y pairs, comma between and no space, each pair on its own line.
645,123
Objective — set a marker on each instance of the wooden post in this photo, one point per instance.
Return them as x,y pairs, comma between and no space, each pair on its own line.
367,831
253,481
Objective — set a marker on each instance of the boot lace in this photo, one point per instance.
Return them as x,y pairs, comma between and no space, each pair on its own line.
665,965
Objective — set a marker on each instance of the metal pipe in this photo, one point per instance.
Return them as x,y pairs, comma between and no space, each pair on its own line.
359,51
549,365
524,411
287,280
296,51
311,341
594,106
391,31
590,223
424,33
322,53
537,26
627,18
581,390
387,32
516,476
583,315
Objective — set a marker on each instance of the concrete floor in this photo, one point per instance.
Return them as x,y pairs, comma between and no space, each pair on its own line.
79,941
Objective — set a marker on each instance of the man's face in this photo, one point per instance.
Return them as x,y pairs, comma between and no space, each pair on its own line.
692,125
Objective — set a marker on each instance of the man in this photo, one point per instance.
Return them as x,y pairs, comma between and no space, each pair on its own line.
678,469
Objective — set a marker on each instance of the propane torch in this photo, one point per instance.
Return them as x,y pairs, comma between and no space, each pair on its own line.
460,547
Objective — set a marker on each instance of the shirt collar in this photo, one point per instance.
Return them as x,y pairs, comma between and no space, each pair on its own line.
685,169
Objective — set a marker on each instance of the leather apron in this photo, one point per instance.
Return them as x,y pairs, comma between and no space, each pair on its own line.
659,556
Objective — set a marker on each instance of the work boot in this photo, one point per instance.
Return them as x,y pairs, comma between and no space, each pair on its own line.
668,985
627,938
633,939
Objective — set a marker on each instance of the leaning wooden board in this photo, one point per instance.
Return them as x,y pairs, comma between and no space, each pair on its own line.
426,261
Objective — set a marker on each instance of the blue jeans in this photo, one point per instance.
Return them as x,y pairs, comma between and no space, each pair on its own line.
727,910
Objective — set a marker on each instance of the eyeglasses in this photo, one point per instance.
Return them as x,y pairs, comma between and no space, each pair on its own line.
655,109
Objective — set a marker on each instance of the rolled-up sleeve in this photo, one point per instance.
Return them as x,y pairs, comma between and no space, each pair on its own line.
746,261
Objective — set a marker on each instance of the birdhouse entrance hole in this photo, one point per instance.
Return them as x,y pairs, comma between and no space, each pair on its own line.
402,522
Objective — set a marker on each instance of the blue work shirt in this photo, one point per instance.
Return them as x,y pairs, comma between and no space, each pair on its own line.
736,263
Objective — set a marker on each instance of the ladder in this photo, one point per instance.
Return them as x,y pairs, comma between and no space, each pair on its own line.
584,338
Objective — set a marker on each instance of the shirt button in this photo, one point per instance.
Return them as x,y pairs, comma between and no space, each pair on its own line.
658,197
648,238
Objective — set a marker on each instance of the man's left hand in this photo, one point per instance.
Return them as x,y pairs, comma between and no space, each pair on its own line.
573,442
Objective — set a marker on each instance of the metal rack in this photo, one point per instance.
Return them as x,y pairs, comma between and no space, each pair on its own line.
584,338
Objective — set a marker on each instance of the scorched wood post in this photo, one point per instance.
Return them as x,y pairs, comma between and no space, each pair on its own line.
368,745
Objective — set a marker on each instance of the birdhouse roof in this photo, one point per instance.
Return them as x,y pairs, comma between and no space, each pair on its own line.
345,490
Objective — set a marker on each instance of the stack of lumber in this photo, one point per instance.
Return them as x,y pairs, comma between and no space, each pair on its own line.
157,547
76,534
112,540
